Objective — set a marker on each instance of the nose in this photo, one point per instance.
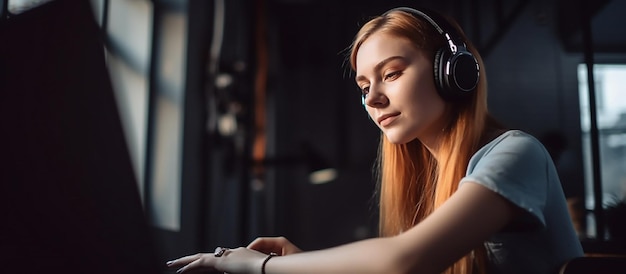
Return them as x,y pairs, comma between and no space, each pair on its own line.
376,97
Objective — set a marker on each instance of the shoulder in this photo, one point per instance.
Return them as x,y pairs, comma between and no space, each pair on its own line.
511,145
515,160
516,166
514,139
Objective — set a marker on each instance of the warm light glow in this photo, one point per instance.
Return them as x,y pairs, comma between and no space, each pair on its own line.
323,176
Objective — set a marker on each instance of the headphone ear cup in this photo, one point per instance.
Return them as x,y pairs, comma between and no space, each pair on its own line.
464,74
461,79
439,62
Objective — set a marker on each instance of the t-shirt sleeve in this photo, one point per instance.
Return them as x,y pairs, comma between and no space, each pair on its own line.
516,169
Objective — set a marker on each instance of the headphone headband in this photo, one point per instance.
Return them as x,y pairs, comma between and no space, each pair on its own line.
439,23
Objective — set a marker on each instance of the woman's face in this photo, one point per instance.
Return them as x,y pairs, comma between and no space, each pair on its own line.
400,95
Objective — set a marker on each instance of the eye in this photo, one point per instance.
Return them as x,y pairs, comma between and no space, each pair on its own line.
392,75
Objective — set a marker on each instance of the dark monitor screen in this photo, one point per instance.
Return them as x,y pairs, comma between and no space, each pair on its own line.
68,193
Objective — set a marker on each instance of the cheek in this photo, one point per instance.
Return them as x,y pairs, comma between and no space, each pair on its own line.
427,103
428,92
420,89
434,104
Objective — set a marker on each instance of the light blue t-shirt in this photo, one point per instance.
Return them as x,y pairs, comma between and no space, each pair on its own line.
542,238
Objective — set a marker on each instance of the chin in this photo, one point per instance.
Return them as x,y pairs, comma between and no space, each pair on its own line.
398,140
401,135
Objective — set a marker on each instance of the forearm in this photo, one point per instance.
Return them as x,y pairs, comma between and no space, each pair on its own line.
368,256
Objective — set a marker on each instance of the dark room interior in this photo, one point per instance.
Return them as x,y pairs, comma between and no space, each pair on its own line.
139,131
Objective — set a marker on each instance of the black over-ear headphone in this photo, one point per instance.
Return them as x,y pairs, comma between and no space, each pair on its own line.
455,67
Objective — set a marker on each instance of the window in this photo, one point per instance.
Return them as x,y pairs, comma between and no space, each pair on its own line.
128,51
611,122
153,126
19,6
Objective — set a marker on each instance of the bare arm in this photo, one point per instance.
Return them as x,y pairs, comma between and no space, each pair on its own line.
463,222
466,220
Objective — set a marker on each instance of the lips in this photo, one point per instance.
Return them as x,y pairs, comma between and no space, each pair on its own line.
387,119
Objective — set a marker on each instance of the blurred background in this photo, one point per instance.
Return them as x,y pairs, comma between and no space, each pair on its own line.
138,131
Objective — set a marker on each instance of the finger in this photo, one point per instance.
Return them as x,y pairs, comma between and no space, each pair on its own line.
258,244
291,249
204,263
266,245
278,245
286,247
183,260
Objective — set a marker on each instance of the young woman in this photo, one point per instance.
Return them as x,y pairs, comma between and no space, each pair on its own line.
458,193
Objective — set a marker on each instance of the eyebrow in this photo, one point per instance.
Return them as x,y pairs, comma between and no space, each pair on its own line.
380,65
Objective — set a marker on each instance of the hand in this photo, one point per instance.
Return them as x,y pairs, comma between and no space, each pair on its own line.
278,245
238,260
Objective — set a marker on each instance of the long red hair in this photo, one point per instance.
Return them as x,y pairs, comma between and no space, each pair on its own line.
412,182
